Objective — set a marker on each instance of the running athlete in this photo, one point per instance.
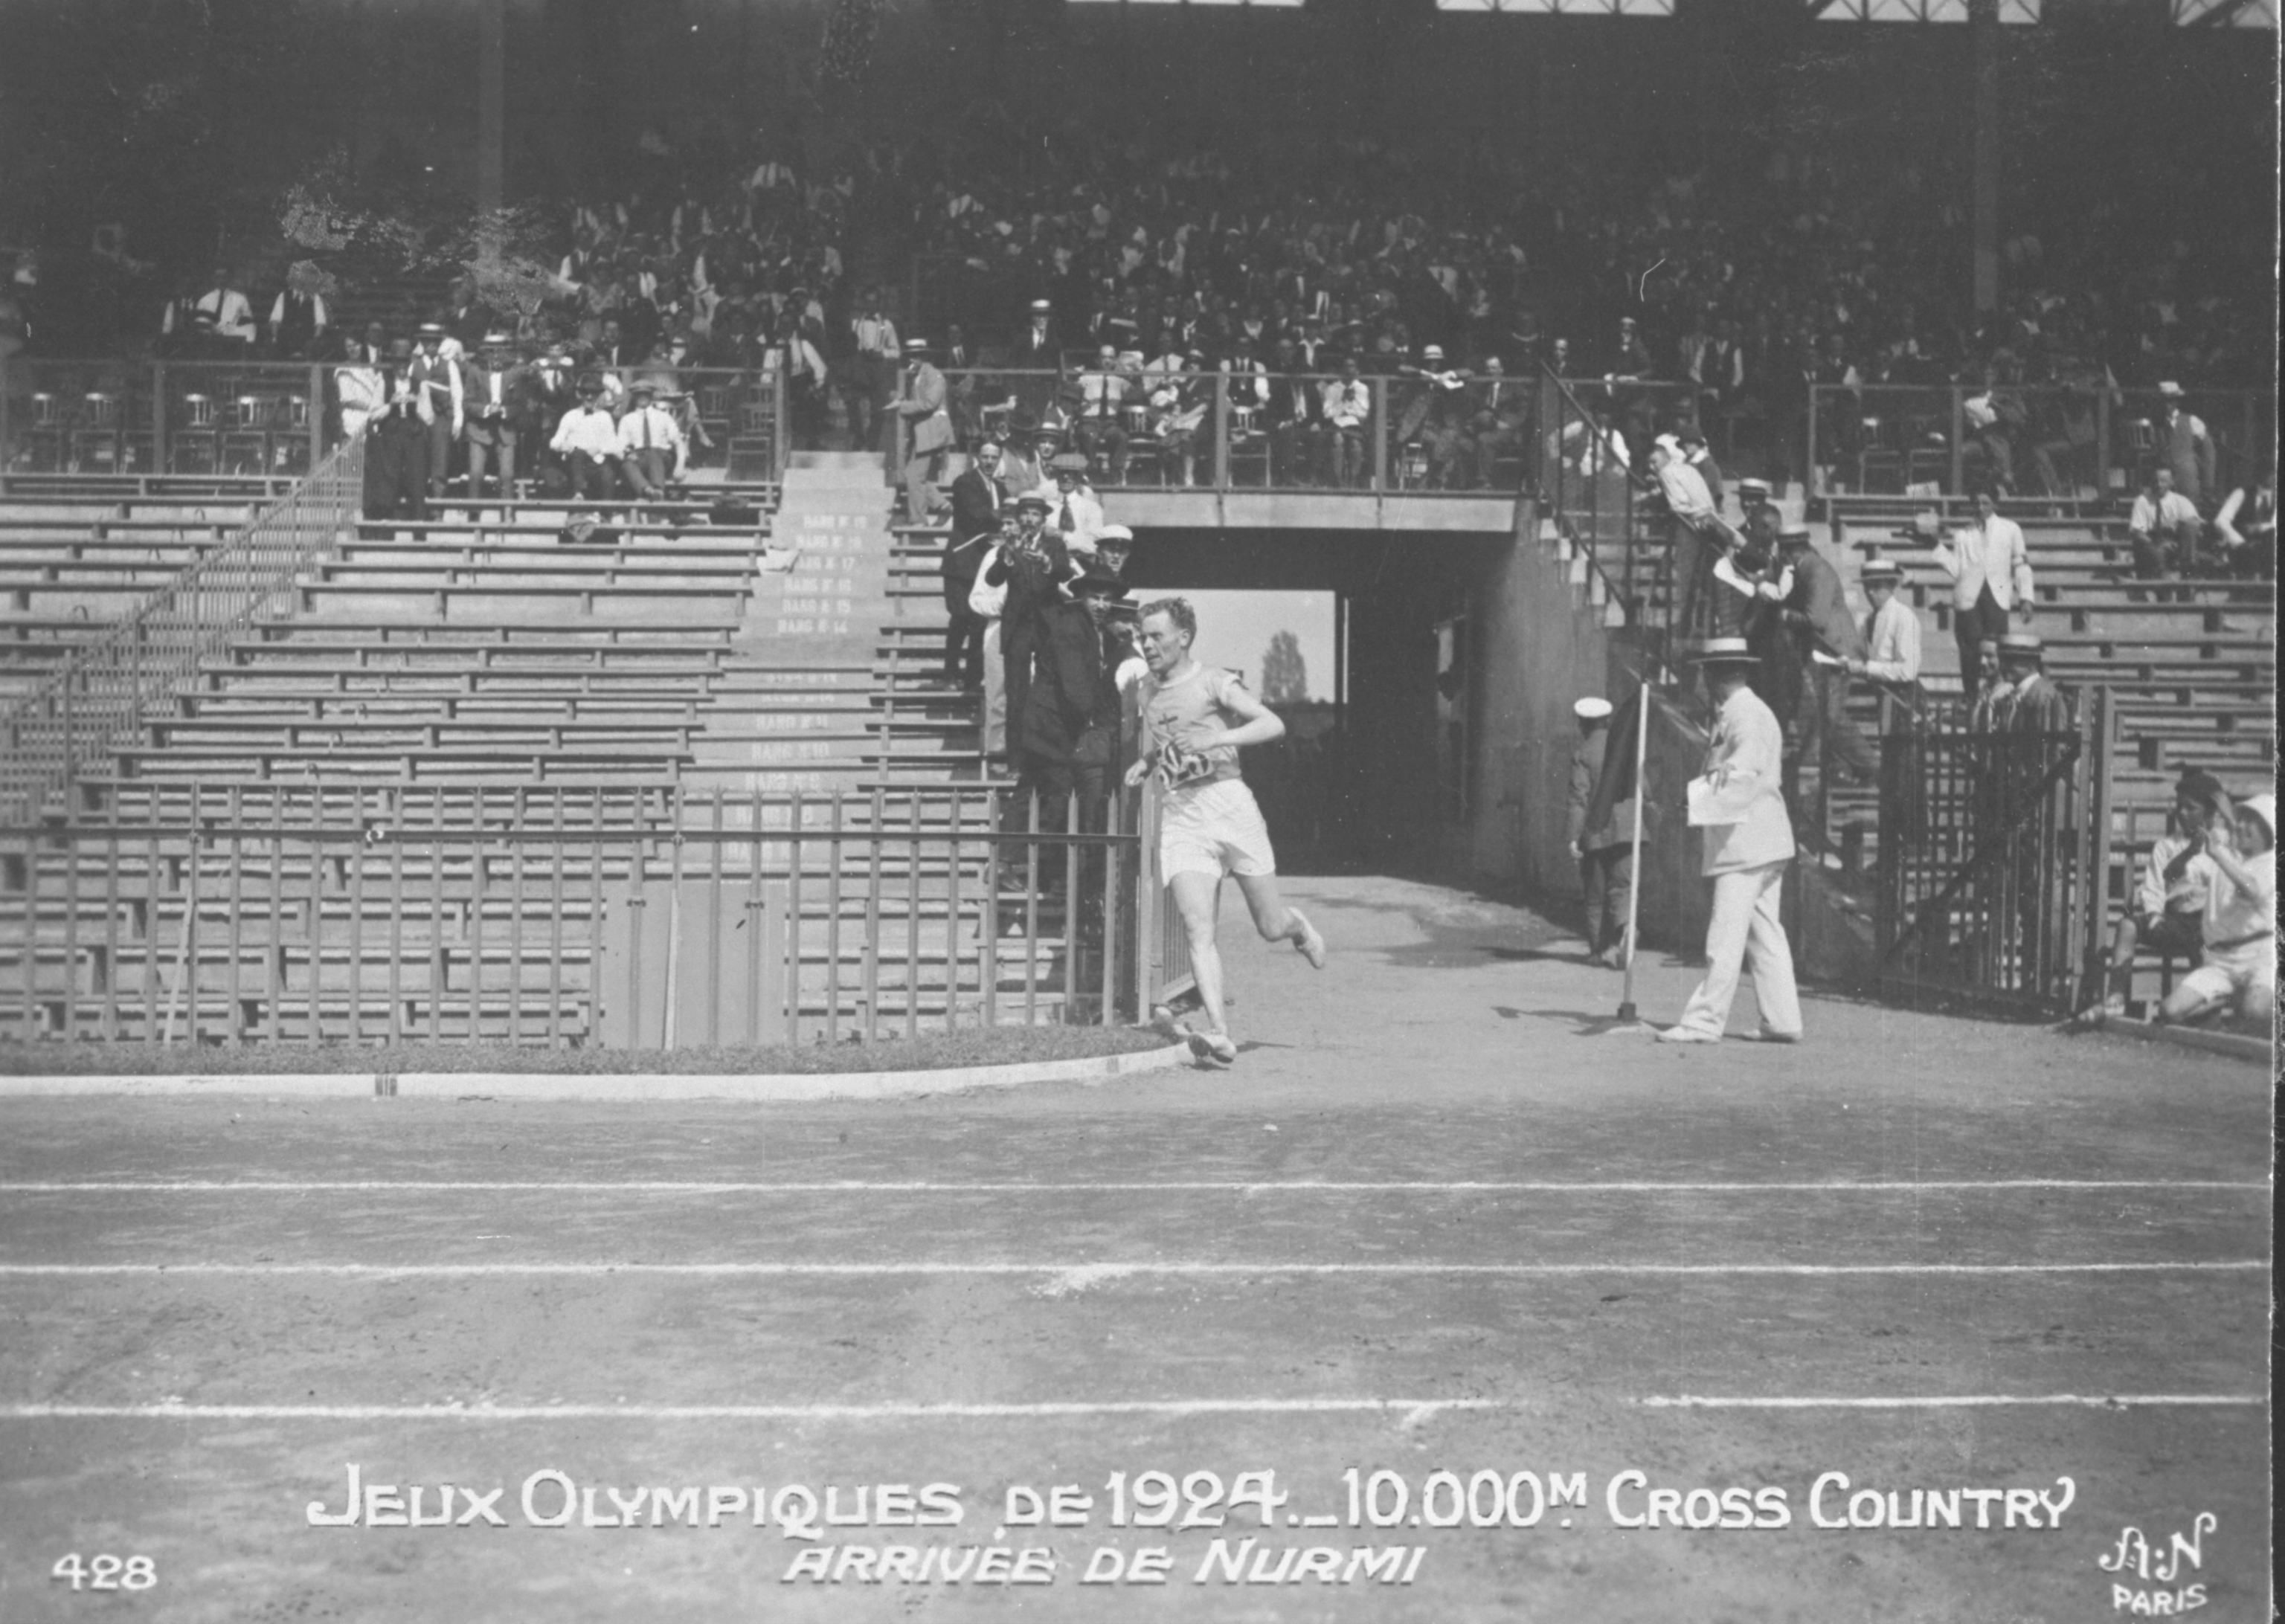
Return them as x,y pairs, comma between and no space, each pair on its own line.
1194,722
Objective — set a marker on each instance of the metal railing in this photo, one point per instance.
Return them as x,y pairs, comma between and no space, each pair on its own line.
1224,431
2067,445
632,917
1994,860
99,695
1590,477
276,419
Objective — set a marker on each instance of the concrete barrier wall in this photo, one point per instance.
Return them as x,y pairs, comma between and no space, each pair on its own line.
1540,644
1544,639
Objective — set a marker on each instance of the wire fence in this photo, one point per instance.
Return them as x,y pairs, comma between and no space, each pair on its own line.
101,693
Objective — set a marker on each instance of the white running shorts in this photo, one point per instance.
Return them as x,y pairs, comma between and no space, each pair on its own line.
2228,971
1214,829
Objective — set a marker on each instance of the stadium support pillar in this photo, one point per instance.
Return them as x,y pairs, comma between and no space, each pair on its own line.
491,109
1983,38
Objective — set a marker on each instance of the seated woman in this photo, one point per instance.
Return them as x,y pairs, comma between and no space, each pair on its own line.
2240,972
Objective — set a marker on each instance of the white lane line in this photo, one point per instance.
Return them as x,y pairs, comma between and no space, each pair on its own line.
1974,1401
669,1187
1089,1273
1411,1411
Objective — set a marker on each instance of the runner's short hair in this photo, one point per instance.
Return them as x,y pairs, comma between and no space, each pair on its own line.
1177,609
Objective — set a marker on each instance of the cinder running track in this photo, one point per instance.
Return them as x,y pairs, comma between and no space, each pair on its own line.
1425,1226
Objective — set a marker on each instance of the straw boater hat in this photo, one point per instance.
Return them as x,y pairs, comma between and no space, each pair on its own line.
1796,536
1033,498
2021,646
1877,570
2263,806
916,346
1591,709
1067,462
1724,651
1750,488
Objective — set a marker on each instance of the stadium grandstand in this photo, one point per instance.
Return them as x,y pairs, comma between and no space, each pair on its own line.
637,638
341,650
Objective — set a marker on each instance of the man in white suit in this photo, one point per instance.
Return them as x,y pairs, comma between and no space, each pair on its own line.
1991,571
1740,804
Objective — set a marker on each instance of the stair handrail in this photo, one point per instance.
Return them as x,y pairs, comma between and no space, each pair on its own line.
97,696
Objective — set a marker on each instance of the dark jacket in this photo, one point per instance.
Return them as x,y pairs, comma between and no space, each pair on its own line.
1586,771
1821,603
975,505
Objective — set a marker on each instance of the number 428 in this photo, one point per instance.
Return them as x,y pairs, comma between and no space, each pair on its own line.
107,1572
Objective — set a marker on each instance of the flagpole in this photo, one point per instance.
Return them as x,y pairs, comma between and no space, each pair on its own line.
1626,1015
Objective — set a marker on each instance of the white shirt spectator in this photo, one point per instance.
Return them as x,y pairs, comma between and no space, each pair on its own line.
2171,509
1347,405
1892,635
1100,393
650,428
588,428
2236,913
233,316
362,389
1991,554
1686,495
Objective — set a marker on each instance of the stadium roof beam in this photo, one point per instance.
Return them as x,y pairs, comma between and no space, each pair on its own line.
1564,8
2225,14
2018,13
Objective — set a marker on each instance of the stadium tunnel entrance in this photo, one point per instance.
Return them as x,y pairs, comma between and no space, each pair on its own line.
1444,750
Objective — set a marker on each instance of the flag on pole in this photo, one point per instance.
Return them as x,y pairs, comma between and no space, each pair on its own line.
1616,786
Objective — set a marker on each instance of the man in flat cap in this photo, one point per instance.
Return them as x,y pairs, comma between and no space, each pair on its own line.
1738,802
1077,512
2183,446
1828,644
652,449
1605,853
920,402
1034,566
1696,529
587,439
490,387
977,501
2031,702
1039,354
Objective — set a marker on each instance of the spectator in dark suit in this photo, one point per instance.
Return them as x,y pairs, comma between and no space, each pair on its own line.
978,499
1826,634
1298,431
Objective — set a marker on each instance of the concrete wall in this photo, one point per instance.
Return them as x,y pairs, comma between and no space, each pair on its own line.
1539,646
1544,639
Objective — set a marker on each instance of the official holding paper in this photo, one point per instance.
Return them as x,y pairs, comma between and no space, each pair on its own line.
1740,805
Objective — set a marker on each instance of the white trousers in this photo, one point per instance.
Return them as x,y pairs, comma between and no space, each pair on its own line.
1746,930
996,692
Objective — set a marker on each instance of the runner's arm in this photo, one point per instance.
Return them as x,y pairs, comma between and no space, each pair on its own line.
1260,726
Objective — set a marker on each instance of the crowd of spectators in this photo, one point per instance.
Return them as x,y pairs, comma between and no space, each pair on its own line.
1736,288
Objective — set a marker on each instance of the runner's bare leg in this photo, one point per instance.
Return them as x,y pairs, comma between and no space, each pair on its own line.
1198,898
1276,922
